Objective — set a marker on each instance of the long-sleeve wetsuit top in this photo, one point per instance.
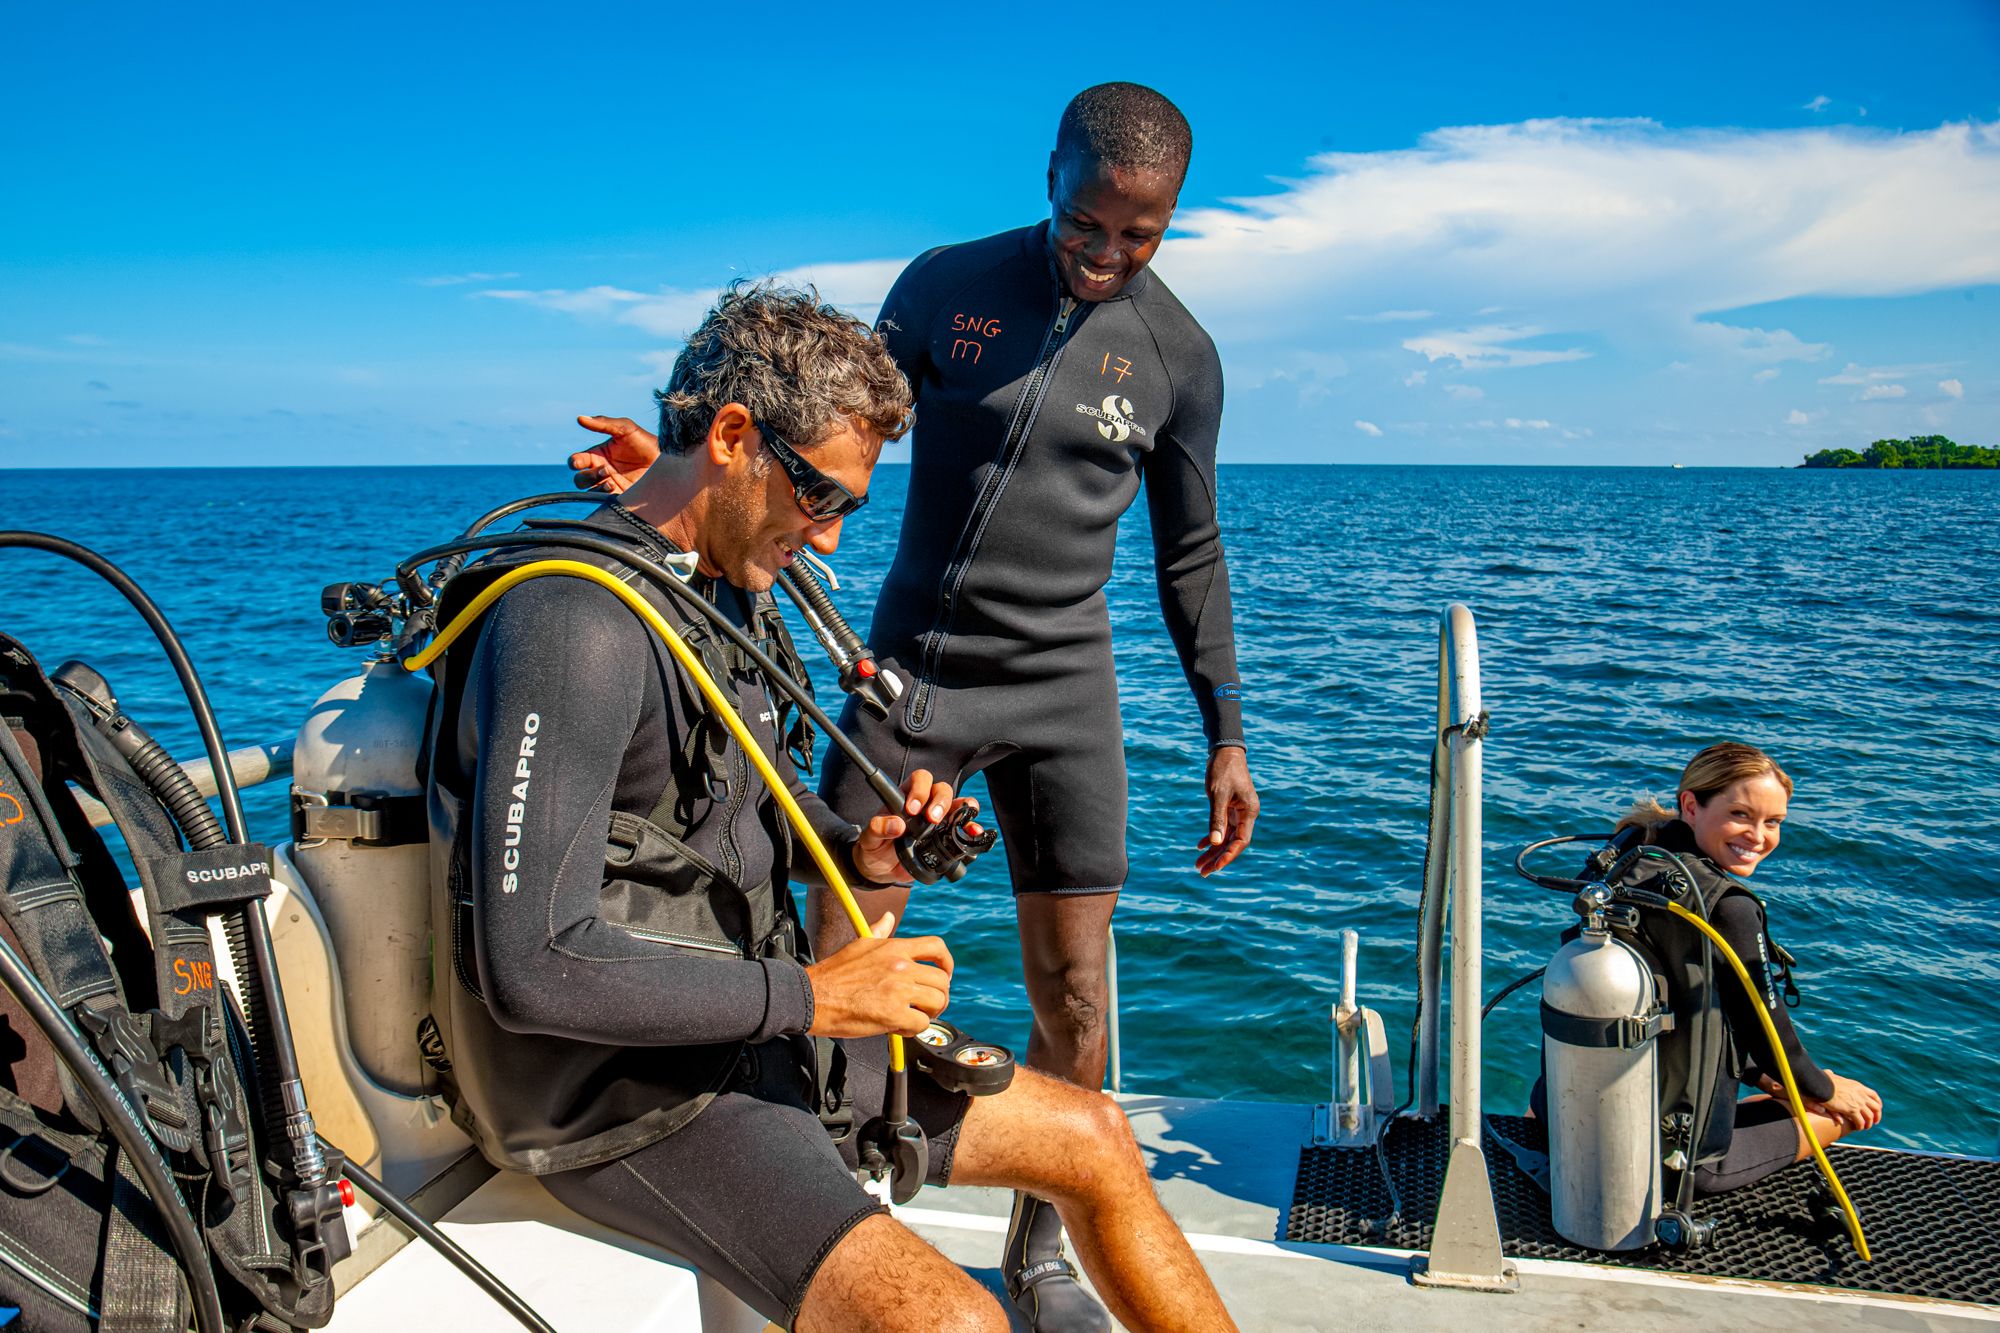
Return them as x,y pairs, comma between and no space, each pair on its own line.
1037,418
578,730
1738,916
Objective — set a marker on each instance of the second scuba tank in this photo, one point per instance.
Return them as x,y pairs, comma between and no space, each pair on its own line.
362,842
1600,1016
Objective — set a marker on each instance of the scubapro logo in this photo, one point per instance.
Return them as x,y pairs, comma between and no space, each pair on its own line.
1114,419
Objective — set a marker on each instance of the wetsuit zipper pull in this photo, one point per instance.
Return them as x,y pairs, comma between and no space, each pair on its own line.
1063,313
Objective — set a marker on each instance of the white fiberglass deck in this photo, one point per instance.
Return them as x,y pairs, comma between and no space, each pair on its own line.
1226,1171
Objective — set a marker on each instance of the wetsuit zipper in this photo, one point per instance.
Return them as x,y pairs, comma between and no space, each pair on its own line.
1011,449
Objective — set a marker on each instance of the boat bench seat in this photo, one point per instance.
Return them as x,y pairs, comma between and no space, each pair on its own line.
577,1274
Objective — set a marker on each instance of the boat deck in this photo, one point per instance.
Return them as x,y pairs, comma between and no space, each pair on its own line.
1932,1221
1230,1173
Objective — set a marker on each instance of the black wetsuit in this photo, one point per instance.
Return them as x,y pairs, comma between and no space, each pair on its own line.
1747,1140
1038,417
648,1062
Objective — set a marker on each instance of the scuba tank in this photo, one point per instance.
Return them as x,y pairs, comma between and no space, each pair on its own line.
1600,1019
361,840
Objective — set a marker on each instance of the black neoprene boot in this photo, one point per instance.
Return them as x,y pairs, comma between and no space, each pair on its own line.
1040,1280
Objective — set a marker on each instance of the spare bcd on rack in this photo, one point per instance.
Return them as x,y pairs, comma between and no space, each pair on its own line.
81,1245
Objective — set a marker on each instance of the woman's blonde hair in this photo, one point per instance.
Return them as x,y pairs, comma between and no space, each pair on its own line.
1715,769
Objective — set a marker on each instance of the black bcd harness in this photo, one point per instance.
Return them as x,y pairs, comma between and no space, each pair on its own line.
81,1246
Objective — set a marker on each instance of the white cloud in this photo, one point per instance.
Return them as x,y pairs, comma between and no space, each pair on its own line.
1592,225
1858,374
1758,344
1415,378
1487,347
671,311
1390,317
1797,418
1465,393
1369,428
1516,423
1766,375
460,279
1952,388
1874,391
83,340
1819,103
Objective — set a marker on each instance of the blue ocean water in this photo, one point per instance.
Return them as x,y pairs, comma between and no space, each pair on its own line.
1847,621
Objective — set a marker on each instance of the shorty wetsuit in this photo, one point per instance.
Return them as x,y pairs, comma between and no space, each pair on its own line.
657,1080
1038,417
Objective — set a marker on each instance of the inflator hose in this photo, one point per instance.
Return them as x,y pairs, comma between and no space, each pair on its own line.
1798,1106
709,690
123,1122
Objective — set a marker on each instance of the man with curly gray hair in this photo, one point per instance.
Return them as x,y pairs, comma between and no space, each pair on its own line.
631,1011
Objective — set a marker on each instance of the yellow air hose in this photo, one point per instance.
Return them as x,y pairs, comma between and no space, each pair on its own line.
709,690
1798,1105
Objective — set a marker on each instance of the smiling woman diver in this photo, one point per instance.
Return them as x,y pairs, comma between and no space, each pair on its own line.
1730,812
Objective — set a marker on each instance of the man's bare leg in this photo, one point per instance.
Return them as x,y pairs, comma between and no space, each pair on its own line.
828,919
1063,961
1076,1149
883,1278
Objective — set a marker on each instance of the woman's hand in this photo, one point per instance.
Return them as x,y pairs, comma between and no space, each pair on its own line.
923,799
1854,1104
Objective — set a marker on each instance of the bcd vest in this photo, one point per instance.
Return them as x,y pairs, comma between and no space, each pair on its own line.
81,1246
517,1094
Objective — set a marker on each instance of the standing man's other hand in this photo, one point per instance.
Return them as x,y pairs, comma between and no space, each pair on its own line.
618,462
1232,809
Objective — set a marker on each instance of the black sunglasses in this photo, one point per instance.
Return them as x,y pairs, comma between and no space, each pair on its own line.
819,497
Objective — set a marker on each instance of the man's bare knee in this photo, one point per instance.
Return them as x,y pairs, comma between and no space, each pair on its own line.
883,1278
1071,999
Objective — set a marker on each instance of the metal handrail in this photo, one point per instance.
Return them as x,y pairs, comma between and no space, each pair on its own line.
1465,1242
251,766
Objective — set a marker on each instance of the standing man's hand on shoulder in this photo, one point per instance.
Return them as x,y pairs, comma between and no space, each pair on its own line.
617,463
1232,809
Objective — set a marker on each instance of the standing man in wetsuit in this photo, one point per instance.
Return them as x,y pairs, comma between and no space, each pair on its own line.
623,996
1053,375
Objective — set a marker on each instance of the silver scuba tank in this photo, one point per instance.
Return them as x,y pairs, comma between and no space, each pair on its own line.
360,840
1600,1019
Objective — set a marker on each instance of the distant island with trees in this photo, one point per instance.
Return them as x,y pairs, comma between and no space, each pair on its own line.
1922,451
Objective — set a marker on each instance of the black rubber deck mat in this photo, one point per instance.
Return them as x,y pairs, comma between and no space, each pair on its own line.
1933,1223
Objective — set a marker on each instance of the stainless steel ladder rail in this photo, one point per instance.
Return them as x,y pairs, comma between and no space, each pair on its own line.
1465,1238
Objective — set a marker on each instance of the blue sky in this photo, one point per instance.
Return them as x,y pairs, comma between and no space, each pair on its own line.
1437,233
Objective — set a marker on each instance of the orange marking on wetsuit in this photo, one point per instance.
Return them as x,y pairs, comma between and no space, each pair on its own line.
1122,369
15,818
983,326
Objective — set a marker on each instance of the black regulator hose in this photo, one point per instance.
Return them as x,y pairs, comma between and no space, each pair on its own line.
929,852
407,576
454,1254
455,563
860,675
119,1117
